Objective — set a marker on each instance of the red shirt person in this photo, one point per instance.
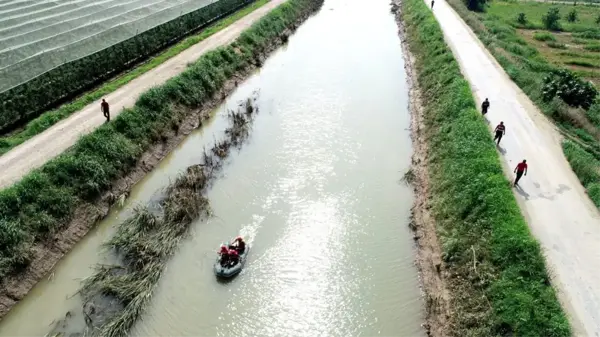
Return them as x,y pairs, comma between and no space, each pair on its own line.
520,170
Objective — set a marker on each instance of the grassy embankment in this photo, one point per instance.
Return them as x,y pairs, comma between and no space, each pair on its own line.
47,119
44,201
528,52
497,277
147,240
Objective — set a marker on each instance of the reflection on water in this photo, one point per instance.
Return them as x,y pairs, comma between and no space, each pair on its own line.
316,194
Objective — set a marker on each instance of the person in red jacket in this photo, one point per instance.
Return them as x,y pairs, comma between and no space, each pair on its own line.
224,253
520,170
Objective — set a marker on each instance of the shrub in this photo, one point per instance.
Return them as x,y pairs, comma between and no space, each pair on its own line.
592,47
556,45
551,19
572,16
544,36
570,88
588,34
598,19
522,18
476,5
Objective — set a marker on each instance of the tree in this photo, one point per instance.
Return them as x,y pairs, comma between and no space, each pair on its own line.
572,16
551,19
570,88
522,18
476,5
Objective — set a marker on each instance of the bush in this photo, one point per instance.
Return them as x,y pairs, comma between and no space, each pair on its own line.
570,88
544,36
598,19
556,45
592,47
551,19
522,18
588,34
572,16
476,5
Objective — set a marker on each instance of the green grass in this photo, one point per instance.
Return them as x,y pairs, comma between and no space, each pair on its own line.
556,45
45,199
595,47
544,36
528,61
508,292
50,118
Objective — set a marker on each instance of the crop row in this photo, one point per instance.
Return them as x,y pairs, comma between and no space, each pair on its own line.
26,101
493,267
44,201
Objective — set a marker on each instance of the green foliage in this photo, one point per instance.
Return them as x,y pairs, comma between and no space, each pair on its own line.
570,88
26,101
588,34
586,167
508,294
522,18
556,45
476,5
44,200
572,16
597,19
544,36
551,19
592,47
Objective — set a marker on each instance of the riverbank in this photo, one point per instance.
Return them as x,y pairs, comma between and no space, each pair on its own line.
52,208
116,296
487,275
49,118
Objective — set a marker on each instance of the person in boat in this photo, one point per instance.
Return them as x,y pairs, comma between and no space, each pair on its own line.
224,253
234,257
239,244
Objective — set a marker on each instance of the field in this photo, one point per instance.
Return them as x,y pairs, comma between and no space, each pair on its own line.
493,267
576,47
81,66
38,36
529,53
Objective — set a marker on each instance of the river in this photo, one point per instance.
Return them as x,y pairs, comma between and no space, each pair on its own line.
316,192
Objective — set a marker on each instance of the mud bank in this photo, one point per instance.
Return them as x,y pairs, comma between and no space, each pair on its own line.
45,252
482,272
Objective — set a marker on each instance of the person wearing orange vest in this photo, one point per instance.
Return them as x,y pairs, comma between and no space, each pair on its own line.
500,131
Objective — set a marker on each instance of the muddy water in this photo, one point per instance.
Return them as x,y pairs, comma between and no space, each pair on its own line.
316,192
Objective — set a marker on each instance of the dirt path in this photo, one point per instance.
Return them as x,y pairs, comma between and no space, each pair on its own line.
559,213
52,142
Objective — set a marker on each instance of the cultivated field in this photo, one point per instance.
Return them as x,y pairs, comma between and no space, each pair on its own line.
36,36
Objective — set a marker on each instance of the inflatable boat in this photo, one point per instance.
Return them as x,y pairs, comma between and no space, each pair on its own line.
228,270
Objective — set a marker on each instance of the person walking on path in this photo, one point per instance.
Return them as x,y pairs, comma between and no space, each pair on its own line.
432,2
500,131
105,110
520,170
485,106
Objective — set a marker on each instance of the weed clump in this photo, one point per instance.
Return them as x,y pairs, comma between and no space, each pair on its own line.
544,36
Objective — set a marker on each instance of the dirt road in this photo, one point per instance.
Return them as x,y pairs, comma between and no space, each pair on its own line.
52,142
559,213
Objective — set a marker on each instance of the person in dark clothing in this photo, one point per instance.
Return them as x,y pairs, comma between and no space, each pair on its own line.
485,106
432,2
520,170
500,131
105,110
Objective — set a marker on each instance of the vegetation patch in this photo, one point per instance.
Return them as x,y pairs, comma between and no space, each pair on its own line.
116,295
44,201
49,118
544,36
494,268
534,67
